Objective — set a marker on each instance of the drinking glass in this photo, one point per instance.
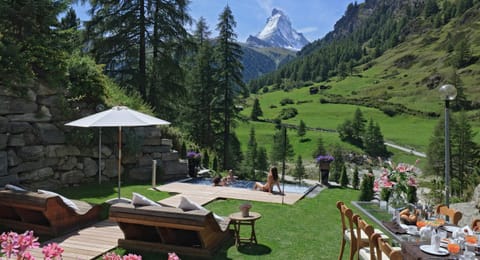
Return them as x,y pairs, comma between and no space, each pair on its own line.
453,248
471,239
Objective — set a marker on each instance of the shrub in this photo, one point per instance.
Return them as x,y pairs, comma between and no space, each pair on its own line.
286,101
288,113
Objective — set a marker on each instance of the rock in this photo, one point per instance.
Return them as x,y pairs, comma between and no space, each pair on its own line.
111,168
145,160
9,179
16,140
3,163
13,159
3,141
19,127
29,117
67,150
140,173
46,91
50,134
50,150
90,167
171,156
31,153
156,149
167,142
67,163
10,106
3,124
36,175
72,177
27,167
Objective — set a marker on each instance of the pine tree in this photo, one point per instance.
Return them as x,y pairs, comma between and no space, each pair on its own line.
320,150
229,76
358,127
337,164
205,159
119,35
256,110
301,129
374,143
344,177
355,179
299,172
249,163
281,148
262,159
201,89
366,188
464,151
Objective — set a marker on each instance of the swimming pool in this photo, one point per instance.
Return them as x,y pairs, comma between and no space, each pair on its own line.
244,184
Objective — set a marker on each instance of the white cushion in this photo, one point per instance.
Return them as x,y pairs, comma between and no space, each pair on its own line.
187,205
14,188
67,202
364,253
140,200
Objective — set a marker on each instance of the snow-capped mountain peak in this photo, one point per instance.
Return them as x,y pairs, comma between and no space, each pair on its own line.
278,32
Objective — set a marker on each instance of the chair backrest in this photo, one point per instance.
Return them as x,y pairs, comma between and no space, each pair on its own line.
368,230
453,215
348,213
476,224
340,205
383,249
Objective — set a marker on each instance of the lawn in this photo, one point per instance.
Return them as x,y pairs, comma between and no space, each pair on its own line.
310,229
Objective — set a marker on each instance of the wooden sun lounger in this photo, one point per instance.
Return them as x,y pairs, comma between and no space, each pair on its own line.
169,229
43,213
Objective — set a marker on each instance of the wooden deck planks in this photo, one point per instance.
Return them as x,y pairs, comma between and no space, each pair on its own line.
87,243
203,194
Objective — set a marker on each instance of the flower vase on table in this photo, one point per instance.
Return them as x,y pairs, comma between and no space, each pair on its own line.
323,162
245,209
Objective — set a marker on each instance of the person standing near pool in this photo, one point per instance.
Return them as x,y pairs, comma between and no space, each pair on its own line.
272,179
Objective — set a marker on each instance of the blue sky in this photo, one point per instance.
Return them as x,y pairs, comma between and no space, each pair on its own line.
313,18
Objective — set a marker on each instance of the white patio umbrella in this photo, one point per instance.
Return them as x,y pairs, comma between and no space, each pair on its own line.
118,116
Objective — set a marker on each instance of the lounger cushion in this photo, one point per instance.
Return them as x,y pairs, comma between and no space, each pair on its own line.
187,205
67,202
140,200
14,188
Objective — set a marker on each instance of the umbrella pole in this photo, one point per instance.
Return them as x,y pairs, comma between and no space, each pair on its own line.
119,158
100,155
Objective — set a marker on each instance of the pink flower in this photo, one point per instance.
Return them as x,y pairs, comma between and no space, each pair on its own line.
132,257
52,251
411,181
111,256
173,256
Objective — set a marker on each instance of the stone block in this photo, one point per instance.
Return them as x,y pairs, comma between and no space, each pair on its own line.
46,91
31,153
156,149
48,101
19,127
67,150
145,160
16,140
29,117
72,177
171,156
111,168
27,167
36,175
167,142
9,179
3,163
13,159
67,163
17,106
50,134
140,173
3,124
90,167
3,141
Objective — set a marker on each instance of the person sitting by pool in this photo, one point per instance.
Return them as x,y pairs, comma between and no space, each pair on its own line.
230,178
272,179
217,181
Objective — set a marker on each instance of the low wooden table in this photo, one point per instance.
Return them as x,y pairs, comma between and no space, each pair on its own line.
238,220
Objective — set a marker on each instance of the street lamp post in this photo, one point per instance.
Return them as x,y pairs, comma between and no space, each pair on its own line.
448,93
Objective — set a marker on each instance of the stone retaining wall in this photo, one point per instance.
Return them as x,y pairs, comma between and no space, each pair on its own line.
34,151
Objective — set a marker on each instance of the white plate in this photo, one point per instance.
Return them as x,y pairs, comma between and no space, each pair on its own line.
450,228
429,249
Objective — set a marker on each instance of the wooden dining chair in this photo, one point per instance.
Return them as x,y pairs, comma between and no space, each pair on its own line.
476,224
342,208
383,249
454,216
365,247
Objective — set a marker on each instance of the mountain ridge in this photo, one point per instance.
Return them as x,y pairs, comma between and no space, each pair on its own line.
278,32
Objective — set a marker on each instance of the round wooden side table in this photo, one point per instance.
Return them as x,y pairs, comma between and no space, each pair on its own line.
238,220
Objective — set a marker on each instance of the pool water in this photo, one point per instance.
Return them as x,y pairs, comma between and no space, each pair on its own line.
244,184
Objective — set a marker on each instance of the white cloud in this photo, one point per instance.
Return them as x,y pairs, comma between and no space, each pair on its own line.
308,29
266,5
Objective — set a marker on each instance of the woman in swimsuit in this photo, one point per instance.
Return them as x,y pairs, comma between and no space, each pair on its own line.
272,179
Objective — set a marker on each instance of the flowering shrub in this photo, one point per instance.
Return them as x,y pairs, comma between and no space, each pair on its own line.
173,256
193,155
325,158
113,256
396,182
16,246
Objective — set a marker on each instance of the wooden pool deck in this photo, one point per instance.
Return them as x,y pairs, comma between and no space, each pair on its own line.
87,243
204,194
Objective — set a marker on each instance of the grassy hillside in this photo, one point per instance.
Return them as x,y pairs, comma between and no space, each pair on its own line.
408,74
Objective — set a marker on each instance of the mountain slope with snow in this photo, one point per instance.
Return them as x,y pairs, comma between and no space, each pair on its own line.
278,32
